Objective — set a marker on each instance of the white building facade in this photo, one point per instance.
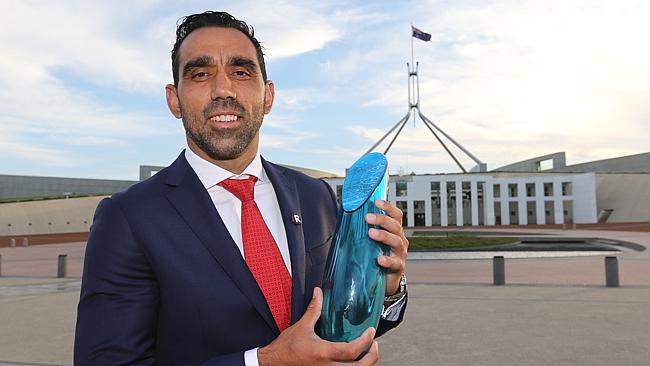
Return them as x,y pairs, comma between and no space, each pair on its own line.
488,199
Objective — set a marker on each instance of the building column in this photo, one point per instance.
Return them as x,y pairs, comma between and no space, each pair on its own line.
539,203
410,217
443,203
428,220
505,203
474,202
521,203
488,203
459,203
557,198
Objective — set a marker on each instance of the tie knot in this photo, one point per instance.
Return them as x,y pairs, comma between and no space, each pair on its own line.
243,189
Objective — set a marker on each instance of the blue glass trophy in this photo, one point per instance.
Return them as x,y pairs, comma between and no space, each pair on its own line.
354,284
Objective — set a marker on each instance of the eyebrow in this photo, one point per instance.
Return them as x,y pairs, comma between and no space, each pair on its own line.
206,61
244,62
200,61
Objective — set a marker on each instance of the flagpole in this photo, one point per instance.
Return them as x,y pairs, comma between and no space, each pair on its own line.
412,58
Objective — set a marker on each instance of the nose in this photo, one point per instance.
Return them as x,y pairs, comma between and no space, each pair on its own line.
222,87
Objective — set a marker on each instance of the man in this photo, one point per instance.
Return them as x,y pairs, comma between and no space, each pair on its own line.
173,277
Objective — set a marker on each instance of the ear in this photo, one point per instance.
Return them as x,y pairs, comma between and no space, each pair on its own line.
172,100
269,95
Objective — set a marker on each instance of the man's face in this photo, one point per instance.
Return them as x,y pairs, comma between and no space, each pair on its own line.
221,95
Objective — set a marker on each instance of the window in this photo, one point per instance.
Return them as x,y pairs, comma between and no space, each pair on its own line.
451,203
530,189
418,213
435,203
548,189
544,165
451,195
512,190
435,188
435,195
497,190
467,190
567,189
400,189
402,205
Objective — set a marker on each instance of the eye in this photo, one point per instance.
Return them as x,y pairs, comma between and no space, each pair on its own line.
241,74
200,75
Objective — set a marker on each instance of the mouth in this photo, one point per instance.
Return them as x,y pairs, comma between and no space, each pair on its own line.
224,120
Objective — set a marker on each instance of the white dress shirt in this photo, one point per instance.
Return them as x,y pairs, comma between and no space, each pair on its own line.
229,206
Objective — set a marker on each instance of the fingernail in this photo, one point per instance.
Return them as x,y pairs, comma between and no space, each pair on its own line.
372,231
371,217
380,202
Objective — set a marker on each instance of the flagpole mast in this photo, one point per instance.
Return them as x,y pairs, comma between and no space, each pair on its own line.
412,58
414,109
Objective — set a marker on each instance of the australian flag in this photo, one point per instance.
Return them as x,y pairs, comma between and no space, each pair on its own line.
420,34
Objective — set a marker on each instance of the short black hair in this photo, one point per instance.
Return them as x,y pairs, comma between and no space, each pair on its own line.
220,19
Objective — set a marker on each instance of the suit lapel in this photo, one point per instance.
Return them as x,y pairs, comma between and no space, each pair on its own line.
194,204
289,201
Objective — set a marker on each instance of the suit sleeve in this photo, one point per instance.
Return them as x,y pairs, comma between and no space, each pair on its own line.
118,308
117,312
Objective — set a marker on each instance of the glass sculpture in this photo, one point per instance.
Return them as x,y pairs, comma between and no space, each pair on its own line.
354,284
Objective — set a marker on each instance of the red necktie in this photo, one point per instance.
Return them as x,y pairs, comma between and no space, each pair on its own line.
261,252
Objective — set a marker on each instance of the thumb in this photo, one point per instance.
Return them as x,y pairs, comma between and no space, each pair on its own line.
313,310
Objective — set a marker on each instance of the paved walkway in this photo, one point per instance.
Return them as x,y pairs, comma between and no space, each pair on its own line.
555,311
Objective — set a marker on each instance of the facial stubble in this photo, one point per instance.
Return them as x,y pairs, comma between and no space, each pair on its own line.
224,144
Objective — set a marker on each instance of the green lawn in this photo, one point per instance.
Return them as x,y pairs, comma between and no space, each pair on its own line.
455,241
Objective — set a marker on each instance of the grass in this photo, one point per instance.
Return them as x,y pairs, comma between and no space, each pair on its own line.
456,241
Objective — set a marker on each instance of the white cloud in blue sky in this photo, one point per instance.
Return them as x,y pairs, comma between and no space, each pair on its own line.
81,82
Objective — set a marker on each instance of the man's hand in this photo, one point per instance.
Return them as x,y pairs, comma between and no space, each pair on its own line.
393,236
299,345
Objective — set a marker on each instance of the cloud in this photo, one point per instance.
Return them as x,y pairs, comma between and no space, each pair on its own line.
13,148
85,40
507,79
306,26
56,71
532,76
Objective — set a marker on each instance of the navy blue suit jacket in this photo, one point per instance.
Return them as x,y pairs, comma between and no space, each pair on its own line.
165,284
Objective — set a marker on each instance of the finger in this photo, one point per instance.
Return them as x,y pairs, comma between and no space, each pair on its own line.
390,209
395,242
341,351
371,357
313,309
392,264
385,222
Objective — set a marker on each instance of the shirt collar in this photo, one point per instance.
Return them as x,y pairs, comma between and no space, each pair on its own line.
210,174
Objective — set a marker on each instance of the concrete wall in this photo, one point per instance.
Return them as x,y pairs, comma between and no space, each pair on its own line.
16,186
532,165
638,163
627,194
584,194
47,217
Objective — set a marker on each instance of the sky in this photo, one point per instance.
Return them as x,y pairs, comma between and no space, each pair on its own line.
82,82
